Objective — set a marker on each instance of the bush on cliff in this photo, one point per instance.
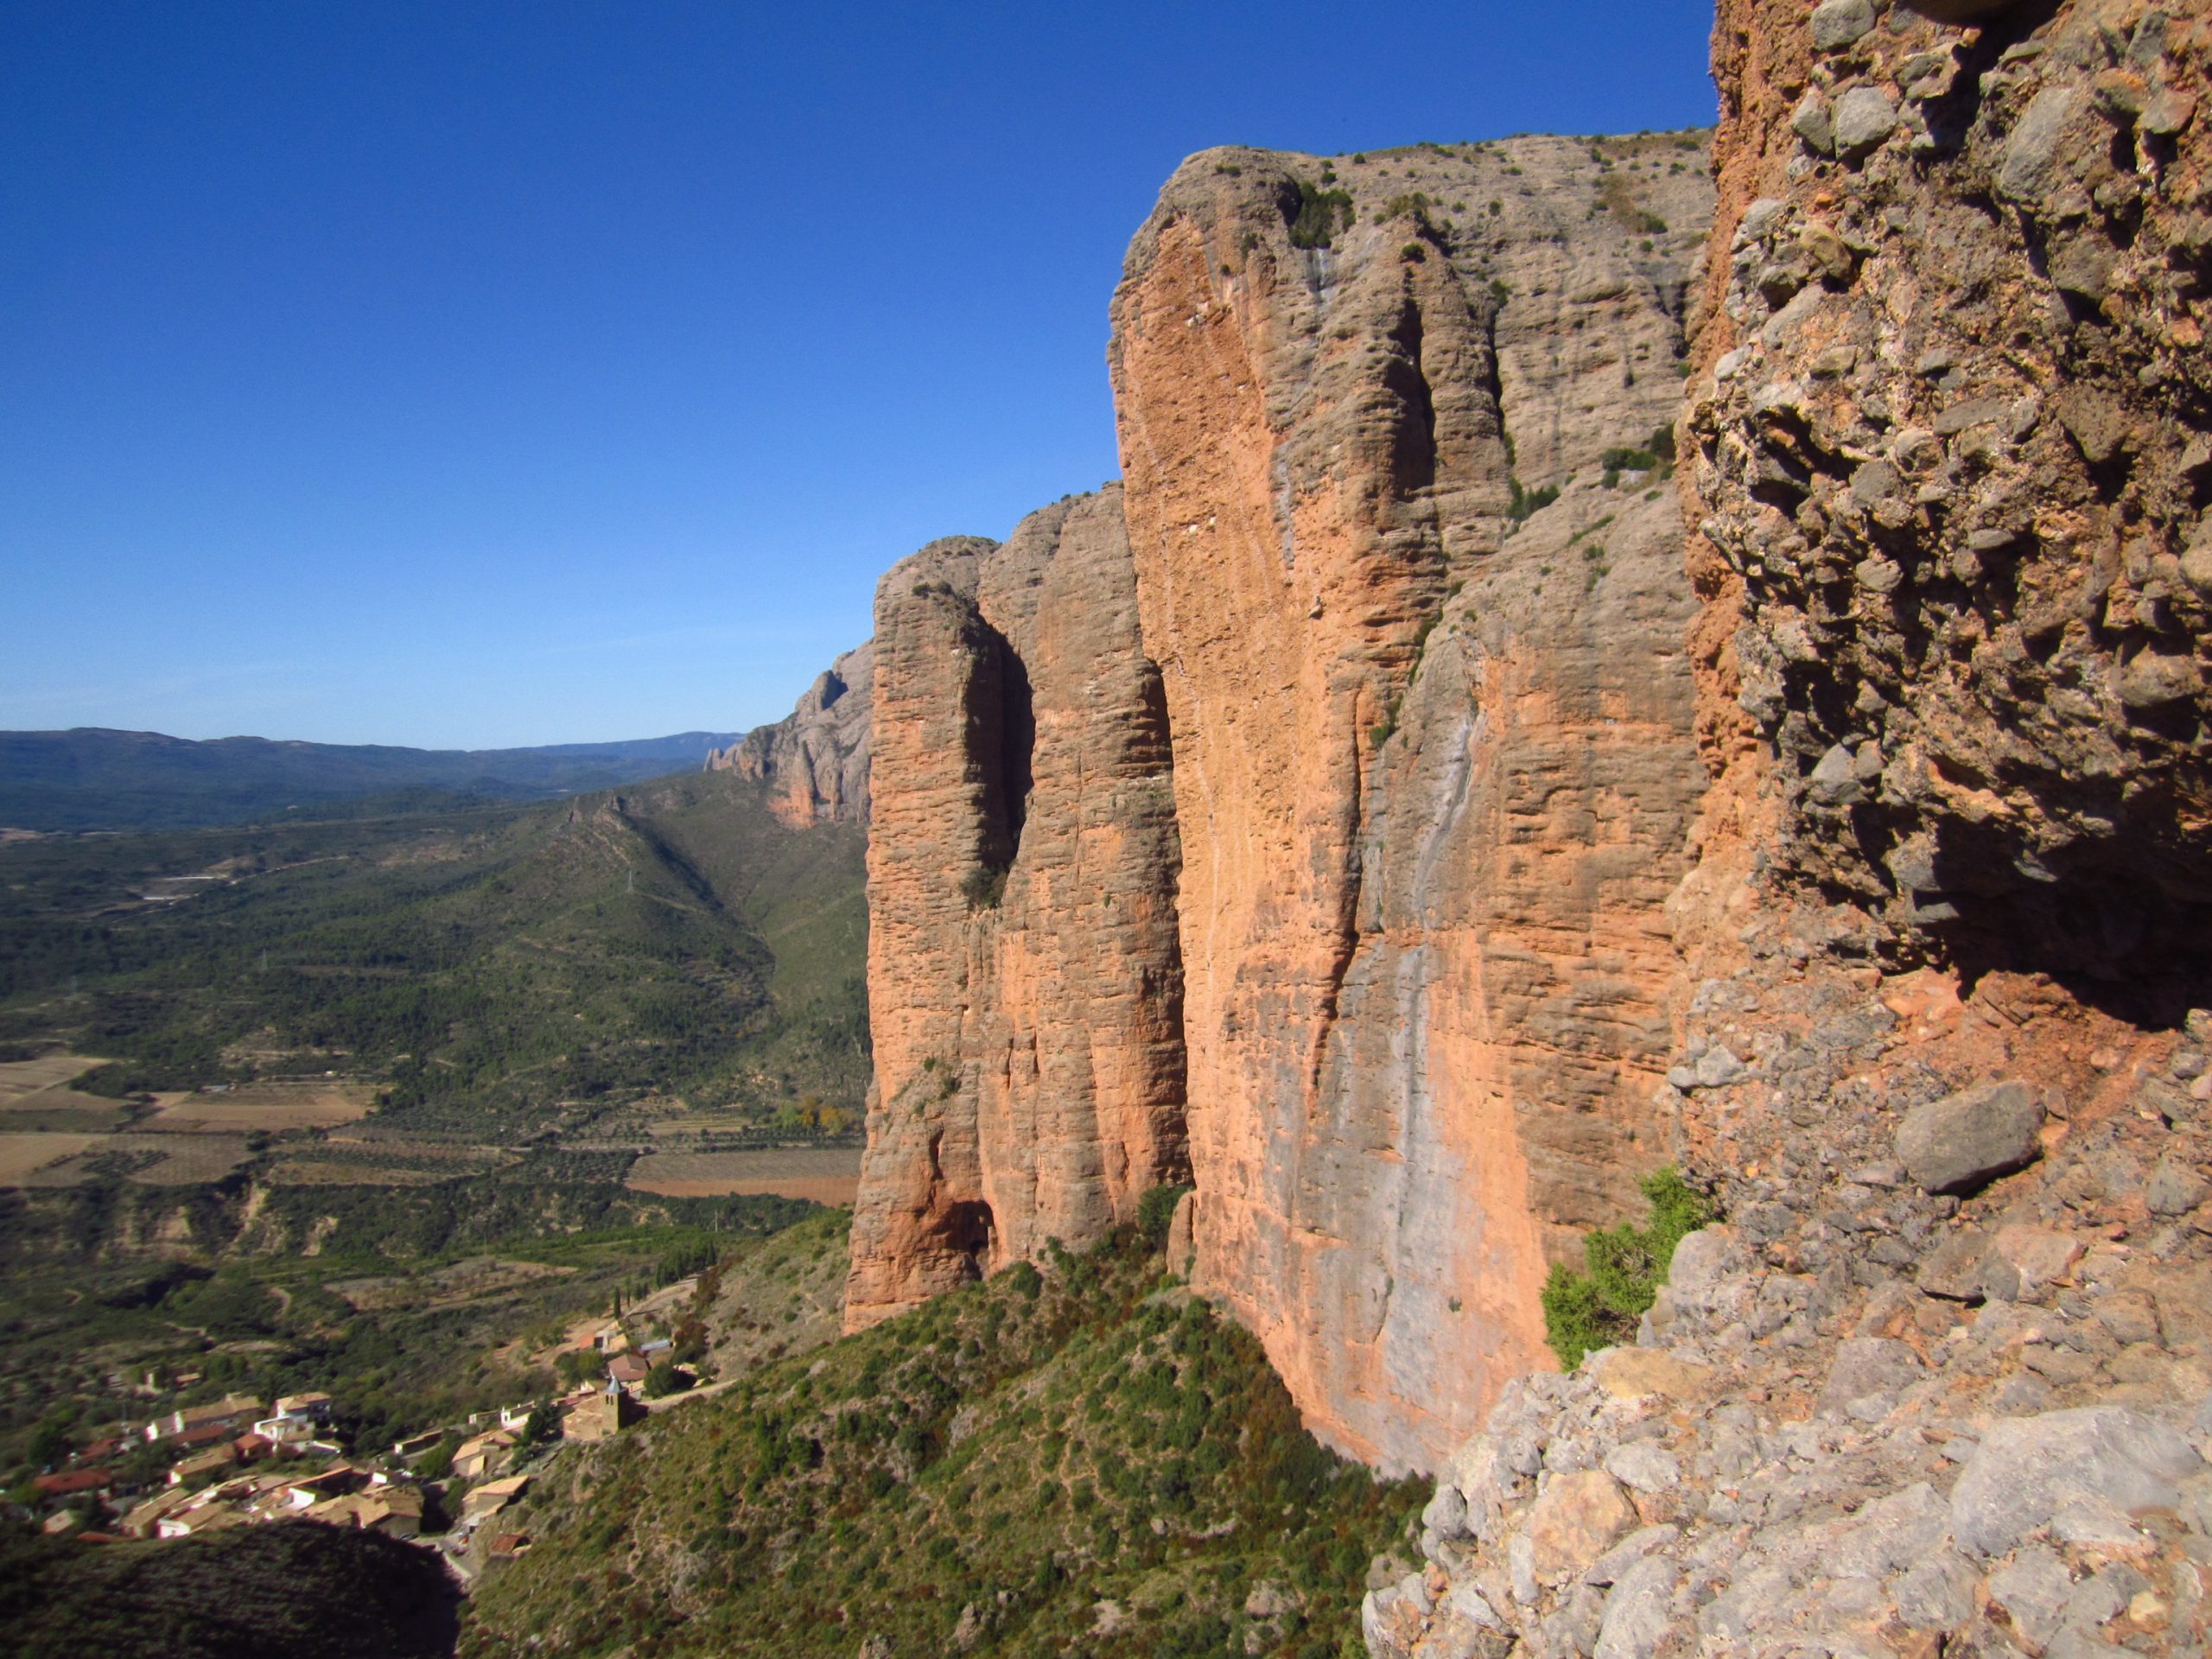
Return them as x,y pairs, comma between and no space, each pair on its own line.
1624,1268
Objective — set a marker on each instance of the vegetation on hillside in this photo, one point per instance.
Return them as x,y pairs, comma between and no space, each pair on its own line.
402,1344
1082,1458
294,1590
502,971
1624,1268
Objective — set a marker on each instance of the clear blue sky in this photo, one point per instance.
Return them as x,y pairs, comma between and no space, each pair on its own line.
470,374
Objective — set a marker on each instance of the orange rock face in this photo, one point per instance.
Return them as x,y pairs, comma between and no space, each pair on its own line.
1433,764
1024,973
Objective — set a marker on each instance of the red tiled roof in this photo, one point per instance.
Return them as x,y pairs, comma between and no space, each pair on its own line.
73,1480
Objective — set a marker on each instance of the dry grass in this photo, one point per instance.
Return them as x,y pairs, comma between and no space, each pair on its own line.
19,1078
185,1160
455,1285
23,1155
825,1174
309,1171
342,1162
270,1107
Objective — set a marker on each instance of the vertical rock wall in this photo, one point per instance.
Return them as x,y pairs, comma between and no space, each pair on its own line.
1433,769
815,760
1946,453
1024,980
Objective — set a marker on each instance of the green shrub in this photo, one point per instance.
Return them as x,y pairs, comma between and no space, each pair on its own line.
1526,504
1320,214
983,888
1624,1268
1155,1209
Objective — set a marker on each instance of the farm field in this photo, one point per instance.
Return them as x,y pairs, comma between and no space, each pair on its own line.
21,1078
829,1175
269,1107
21,1155
36,1095
59,1159
456,1284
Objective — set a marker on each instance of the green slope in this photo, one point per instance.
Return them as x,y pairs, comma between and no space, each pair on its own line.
978,1475
297,1591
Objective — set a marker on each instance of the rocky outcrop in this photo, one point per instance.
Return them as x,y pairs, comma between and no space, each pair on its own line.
1024,973
815,760
1953,460
1414,585
1941,1383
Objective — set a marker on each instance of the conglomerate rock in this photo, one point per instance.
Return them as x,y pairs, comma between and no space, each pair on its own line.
1954,456
1433,766
1942,1383
1024,977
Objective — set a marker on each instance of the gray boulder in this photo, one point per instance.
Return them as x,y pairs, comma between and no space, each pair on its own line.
1840,22
1637,1611
1868,1365
2028,1468
1863,117
1965,1141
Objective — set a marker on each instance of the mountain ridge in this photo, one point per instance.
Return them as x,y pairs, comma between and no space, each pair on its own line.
104,778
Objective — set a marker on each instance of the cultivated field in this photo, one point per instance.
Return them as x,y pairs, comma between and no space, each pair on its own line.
23,1155
825,1174
20,1078
179,1160
320,1103
384,1163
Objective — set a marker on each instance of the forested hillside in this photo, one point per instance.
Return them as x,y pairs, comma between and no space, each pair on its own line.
497,971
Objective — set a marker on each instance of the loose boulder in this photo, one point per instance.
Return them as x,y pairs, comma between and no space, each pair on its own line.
2028,1468
1965,1141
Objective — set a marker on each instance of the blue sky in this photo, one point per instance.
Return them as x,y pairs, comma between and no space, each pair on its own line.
486,374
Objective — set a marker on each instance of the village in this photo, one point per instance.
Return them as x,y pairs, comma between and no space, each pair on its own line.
238,1461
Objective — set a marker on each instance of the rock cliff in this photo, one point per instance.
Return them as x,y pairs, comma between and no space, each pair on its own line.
815,760
1404,558
1024,978
1942,1382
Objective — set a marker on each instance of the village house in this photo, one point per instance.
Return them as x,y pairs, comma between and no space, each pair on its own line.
488,1454
198,1518
315,1405
491,1498
395,1511
333,1482
199,1439
629,1369
141,1520
415,1445
203,1463
229,1412
72,1483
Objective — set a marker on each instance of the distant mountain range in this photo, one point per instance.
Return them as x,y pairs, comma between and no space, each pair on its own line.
94,779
